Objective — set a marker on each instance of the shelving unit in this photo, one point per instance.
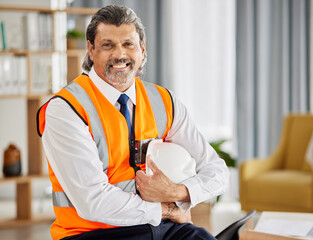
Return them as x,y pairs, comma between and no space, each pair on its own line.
75,56
23,202
74,62
34,101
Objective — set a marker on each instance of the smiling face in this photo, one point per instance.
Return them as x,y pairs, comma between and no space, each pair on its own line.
117,54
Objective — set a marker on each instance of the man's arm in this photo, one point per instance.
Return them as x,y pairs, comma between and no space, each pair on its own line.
212,174
74,159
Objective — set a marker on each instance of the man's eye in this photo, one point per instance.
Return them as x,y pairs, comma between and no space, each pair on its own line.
128,44
107,45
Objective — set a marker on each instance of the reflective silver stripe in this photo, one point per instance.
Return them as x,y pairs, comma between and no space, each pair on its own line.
127,186
98,134
158,107
159,112
61,200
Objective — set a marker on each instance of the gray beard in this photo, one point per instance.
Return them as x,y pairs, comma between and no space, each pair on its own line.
120,78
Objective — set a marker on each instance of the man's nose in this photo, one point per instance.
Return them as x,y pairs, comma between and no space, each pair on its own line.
118,52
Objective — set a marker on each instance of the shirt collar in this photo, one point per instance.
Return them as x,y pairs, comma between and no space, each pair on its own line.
111,93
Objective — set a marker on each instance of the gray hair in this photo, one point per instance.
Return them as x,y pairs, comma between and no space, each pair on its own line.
116,15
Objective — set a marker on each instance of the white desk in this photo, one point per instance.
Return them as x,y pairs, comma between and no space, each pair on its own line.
279,225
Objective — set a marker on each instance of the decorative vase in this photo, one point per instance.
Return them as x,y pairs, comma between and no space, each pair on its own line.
12,161
72,43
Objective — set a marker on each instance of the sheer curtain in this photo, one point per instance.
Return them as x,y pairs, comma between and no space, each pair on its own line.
198,61
272,70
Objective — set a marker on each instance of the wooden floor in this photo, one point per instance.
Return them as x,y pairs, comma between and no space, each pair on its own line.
38,231
33,232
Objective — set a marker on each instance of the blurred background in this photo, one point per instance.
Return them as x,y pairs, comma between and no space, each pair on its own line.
239,66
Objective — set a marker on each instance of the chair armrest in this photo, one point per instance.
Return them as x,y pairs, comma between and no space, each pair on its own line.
254,167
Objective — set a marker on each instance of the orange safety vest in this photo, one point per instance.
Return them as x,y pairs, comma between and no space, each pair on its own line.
108,127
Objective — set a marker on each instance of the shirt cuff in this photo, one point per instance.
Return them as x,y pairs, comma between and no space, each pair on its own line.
194,189
153,213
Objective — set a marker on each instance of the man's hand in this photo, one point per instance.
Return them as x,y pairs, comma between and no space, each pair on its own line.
175,214
158,187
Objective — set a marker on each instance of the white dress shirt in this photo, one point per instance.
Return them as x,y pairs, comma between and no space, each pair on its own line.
73,156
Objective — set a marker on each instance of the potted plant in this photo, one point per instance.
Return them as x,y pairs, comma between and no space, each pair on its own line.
201,214
73,36
229,160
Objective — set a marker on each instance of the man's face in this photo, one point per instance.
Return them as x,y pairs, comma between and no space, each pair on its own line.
116,54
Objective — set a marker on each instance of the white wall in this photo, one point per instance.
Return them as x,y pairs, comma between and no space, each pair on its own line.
13,129
13,122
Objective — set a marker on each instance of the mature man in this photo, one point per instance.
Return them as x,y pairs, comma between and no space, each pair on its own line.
94,131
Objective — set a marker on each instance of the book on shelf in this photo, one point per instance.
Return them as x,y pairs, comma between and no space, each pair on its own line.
48,73
6,75
22,74
60,29
2,77
59,77
13,30
37,31
3,36
45,31
58,4
41,74
13,74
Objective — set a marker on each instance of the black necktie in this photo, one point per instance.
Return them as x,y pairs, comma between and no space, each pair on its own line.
124,110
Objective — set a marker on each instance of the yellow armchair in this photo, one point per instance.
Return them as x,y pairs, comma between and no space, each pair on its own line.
283,181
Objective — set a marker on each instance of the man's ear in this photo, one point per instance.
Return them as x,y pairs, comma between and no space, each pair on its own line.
143,48
90,48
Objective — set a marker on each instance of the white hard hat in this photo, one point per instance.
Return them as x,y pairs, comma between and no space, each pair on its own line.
172,159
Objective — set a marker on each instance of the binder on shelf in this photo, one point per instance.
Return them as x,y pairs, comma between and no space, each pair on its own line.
1,76
31,33
7,72
45,31
13,74
22,74
48,31
41,31
58,4
12,30
14,80
59,72
60,31
41,74
37,31
3,36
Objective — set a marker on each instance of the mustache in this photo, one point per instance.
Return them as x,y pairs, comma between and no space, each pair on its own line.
120,60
